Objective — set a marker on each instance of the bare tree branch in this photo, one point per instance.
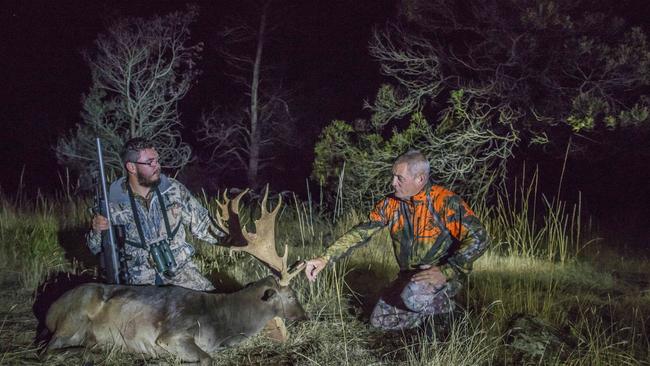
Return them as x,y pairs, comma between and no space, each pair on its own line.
245,132
140,69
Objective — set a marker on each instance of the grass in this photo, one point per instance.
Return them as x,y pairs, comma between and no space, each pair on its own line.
542,263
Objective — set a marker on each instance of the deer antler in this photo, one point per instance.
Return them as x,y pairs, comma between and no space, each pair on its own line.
228,218
260,244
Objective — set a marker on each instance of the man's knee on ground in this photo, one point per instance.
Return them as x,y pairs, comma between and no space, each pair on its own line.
425,298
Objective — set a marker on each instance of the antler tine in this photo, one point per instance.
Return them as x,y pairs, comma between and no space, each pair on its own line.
285,275
266,196
229,217
261,244
235,201
264,200
222,213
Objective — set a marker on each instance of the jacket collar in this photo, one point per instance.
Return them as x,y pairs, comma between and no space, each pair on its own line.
418,197
422,195
117,193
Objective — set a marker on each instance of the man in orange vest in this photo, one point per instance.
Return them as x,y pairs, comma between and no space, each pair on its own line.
435,236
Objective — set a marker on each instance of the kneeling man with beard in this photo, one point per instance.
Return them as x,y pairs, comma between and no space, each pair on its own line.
155,210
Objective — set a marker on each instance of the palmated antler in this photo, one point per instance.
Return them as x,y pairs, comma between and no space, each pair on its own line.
260,244
228,218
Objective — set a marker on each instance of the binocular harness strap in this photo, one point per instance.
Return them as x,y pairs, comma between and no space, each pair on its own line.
170,233
136,218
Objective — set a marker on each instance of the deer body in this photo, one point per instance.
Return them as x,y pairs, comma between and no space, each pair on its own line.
160,320
186,323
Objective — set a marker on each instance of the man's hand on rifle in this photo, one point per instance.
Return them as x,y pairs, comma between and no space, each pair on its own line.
100,223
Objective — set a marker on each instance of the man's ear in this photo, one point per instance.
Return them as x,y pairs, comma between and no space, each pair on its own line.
421,178
130,167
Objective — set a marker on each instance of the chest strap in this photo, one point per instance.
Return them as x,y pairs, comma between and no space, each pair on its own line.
170,233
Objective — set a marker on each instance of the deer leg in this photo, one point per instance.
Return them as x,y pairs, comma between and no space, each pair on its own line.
57,342
67,337
184,347
78,339
54,355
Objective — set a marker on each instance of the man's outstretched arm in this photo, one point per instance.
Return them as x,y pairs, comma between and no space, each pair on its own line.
354,238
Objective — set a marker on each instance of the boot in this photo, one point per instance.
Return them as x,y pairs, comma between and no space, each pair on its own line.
276,330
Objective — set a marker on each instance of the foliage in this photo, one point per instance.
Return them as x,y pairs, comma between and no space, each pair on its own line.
29,240
141,69
467,151
585,297
247,133
552,61
516,72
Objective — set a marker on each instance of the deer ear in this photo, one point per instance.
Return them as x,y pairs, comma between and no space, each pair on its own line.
269,294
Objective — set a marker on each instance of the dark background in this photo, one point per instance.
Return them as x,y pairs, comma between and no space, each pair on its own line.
324,46
44,74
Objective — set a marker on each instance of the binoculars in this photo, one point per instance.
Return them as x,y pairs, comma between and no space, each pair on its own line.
163,259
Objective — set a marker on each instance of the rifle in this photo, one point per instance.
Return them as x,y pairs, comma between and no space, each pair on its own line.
112,257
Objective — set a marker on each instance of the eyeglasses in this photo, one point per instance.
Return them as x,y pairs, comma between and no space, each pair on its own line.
149,163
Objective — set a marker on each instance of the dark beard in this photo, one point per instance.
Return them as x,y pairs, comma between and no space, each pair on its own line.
145,182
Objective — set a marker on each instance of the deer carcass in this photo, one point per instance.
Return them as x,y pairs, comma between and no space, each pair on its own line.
186,323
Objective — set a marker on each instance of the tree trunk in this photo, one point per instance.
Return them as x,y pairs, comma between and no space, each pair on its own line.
254,149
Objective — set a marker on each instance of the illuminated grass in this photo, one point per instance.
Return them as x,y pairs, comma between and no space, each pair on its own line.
537,266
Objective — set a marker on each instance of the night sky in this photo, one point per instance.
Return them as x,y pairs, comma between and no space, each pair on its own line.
324,44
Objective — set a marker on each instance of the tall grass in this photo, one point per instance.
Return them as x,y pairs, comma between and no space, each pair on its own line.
532,268
470,343
525,223
29,237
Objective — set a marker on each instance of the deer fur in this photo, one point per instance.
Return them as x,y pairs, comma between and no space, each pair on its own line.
167,320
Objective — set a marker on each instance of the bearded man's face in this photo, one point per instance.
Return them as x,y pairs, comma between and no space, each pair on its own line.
147,169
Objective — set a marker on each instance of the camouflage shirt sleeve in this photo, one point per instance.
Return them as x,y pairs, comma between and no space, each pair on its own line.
358,235
119,216
94,241
197,217
470,235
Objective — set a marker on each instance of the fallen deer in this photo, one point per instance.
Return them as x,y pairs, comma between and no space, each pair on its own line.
174,320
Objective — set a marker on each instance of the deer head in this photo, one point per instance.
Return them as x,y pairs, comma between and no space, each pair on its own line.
260,244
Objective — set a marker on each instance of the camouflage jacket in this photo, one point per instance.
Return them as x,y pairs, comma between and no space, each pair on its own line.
183,211
434,227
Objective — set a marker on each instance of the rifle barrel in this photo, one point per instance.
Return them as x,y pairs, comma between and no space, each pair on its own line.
115,265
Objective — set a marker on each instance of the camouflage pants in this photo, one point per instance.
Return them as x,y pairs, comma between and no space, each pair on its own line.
188,276
405,304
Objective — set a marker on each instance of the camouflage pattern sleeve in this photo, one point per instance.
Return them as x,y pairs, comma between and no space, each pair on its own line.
118,217
94,241
201,225
470,235
358,235
354,238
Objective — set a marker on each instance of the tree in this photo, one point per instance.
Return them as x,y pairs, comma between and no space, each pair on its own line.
243,133
553,62
523,72
141,69
468,157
